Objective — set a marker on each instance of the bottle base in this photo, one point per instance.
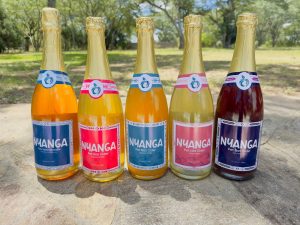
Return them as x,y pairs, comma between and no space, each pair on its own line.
191,177
102,178
51,176
232,176
153,177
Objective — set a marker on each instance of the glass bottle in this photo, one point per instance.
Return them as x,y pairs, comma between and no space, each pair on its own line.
239,113
146,111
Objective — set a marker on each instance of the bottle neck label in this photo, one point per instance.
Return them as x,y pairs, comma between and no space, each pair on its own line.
146,144
53,144
237,144
97,87
193,82
100,148
192,145
49,78
243,80
145,81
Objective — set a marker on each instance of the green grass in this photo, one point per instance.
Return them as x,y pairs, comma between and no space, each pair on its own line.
279,70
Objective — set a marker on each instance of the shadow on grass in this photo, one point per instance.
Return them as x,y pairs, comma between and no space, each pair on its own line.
282,76
18,88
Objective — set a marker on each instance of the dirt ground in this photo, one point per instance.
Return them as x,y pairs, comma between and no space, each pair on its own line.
272,197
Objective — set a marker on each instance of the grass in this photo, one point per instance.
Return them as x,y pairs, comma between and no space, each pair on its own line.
279,70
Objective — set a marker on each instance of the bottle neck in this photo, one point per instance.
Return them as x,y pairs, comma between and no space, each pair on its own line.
192,56
244,52
52,54
97,66
145,62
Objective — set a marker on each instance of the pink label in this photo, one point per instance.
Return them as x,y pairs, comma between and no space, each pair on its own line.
194,82
192,144
100,148
96,88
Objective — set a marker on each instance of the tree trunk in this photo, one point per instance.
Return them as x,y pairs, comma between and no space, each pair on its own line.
51,3
27,44
181,41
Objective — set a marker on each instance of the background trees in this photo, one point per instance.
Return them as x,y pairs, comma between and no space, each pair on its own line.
279,21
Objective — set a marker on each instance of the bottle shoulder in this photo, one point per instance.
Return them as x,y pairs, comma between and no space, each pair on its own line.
240,105
60,99
148,106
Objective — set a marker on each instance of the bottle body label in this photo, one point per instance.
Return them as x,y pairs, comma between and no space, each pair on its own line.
146,81
146,144
100,148
49,78
192,145
243,80
96,87
193,82
53,144
237,145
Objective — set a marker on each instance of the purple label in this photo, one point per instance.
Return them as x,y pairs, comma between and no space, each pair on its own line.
237,145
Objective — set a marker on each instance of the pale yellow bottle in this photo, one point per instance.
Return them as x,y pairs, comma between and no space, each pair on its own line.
146,111
191,110
100,115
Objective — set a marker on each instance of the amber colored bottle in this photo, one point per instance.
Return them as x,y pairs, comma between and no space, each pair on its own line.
191,110
239,113
100,115
54,108
146,111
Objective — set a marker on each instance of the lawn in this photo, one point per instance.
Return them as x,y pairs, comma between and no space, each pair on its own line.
279,70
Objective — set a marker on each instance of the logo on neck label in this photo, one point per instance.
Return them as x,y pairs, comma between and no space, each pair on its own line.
146,81
243,80
48,78
96,87
194,82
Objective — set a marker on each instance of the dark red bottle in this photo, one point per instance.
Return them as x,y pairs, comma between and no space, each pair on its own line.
239,112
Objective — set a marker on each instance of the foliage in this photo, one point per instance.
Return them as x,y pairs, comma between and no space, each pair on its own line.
278,25
10,37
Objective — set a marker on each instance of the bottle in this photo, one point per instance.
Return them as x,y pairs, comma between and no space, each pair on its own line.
239,113
191,110
54,109
146,111
100,115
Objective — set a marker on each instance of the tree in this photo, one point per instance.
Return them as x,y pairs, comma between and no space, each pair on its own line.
175,11
52,3
224,13
119,15
10,36
272,16
27,16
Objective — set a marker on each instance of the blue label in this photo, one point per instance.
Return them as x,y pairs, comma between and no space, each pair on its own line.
53,144
237,145
48,78
146,81
146,144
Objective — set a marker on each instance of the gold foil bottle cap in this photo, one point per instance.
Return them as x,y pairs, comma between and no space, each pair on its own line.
193,21
144,23
247,19
50,18
95,23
